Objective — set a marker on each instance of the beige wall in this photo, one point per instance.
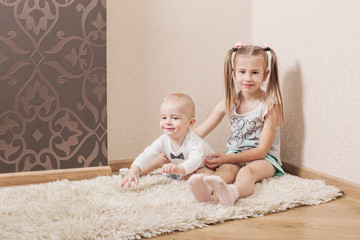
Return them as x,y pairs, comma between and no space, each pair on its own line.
318,45
161,46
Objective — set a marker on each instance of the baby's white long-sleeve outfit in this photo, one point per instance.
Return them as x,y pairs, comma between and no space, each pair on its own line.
191,155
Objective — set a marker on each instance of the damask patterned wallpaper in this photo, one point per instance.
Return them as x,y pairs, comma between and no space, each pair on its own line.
52,84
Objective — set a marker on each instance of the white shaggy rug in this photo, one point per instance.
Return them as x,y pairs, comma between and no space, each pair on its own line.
100,209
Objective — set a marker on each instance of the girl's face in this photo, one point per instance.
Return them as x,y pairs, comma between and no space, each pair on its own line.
249,73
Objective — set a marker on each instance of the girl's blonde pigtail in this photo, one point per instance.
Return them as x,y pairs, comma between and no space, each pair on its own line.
273,94
230,92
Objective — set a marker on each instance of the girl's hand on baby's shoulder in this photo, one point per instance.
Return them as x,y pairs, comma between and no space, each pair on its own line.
215,160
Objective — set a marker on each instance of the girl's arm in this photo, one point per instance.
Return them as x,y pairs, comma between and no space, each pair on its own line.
260,152
212,121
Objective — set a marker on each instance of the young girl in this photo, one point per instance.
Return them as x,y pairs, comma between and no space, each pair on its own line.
253,150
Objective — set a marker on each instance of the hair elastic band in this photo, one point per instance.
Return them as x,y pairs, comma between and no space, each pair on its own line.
238,45
266,46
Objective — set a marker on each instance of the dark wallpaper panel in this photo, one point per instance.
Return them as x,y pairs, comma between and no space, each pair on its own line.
52,84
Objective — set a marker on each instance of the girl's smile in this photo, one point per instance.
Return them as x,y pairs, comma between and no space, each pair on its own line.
247,85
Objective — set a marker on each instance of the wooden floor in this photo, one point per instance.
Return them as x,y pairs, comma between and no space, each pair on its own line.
338,219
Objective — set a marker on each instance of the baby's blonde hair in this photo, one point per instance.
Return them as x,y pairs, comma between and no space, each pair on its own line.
187,100
272,93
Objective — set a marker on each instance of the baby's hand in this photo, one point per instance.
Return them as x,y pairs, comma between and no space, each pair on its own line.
129,178
173,169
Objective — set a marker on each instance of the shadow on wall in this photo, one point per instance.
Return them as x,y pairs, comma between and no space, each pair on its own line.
293,131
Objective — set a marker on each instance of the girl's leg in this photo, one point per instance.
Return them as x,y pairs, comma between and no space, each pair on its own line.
228,172
244,184
252,173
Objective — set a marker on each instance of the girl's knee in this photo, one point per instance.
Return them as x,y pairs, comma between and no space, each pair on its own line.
257,171
230,168
205,170
246,171
227,172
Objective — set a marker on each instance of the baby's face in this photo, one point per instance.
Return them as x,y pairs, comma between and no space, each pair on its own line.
175,120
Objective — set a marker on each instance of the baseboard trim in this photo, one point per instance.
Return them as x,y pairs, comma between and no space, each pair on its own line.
35,177
117,164
351,190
